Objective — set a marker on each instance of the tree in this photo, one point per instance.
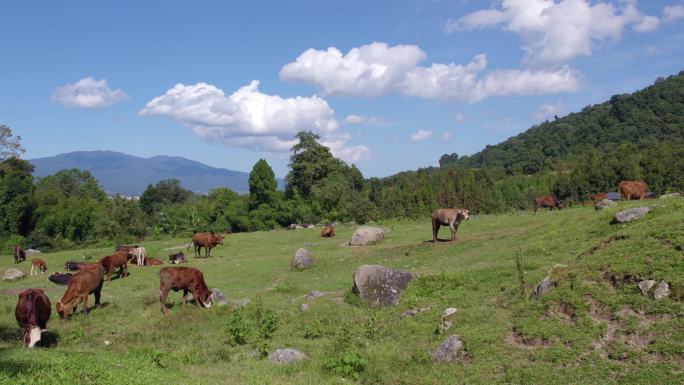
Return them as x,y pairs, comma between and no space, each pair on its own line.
310,163
167,191
262,184
16,196
9,147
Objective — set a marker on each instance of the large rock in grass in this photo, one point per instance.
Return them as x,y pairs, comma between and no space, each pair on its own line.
629,215
551,279
645,286
284,356
604,204
449,350
670,195
380,286
302,259
12,274
366,235
661,291
32,252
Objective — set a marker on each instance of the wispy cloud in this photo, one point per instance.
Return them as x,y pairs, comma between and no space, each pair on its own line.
421,135
87,93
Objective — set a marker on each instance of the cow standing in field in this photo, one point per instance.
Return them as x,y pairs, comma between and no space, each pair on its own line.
18,254
631,189
88,280
187,279
448,217
38,266
32,314
328,231
549,201
206,240
111,262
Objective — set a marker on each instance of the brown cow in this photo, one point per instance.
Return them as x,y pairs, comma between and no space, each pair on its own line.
32,313
38,266
549,201
59,278
206,240
153,261
188,279
328,231
597,197
88,280
632,189
448,217
18,254
111,262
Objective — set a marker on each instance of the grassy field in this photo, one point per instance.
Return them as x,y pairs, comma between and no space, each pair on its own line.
593,328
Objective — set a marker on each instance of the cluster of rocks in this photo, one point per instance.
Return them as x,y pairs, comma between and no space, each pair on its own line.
661,291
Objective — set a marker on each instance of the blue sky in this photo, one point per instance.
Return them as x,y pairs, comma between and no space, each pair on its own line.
389,85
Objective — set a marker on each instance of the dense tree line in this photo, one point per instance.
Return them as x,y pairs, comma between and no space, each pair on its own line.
637,136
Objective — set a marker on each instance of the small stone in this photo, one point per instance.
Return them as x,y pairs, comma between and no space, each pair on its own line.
645,286
218,297
449,311
629,215
303,307
315,294
604,204
661,291
670,195
446,325
449,350
555,274
302,259
240,302
283,356
12,274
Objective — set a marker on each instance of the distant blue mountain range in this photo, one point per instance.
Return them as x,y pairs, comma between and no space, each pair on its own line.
129,175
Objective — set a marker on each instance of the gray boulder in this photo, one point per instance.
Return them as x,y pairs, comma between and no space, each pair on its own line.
645,286
12,274
449,350
32,252
661,291
670,195
366,235
284,356
380,286
604,204
551,279
629,215
218,298
302,259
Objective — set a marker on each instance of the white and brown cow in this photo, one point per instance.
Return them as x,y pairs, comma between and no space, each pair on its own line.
32,313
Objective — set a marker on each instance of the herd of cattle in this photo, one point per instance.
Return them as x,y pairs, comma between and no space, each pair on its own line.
33,308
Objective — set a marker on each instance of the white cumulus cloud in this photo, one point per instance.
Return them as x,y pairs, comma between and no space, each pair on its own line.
555,32
360,119
673,12
548,110
249,118
421,135
87,93
377,68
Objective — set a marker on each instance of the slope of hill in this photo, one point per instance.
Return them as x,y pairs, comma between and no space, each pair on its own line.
593,327
637,121
130,175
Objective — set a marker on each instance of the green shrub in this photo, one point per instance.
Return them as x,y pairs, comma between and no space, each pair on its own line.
238,327
348,364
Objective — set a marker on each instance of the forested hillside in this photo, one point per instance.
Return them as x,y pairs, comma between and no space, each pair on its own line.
631,136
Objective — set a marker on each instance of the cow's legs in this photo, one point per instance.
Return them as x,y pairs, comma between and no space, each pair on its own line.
97,293
435,231
163,292
453,232
84,298
208,250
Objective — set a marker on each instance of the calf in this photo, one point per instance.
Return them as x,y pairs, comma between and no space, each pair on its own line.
153,261
111,262
328,231
177,258
38,266
188,279
88,280
32,313
59,278
18,254
549,201
448,217
138,255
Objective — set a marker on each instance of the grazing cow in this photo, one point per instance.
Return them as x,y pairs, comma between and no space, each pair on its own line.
188,279
88,280
111,262
328,231
206,240
153,261
59,278
38,266
631,189
138,255
74,266
18,254
32,313
179,257
549,201
448,217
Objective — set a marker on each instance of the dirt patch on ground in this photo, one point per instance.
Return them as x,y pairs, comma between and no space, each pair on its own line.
564,312
13,292
603,244
520,340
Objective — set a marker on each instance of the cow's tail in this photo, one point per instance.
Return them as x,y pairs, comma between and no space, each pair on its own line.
189,244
